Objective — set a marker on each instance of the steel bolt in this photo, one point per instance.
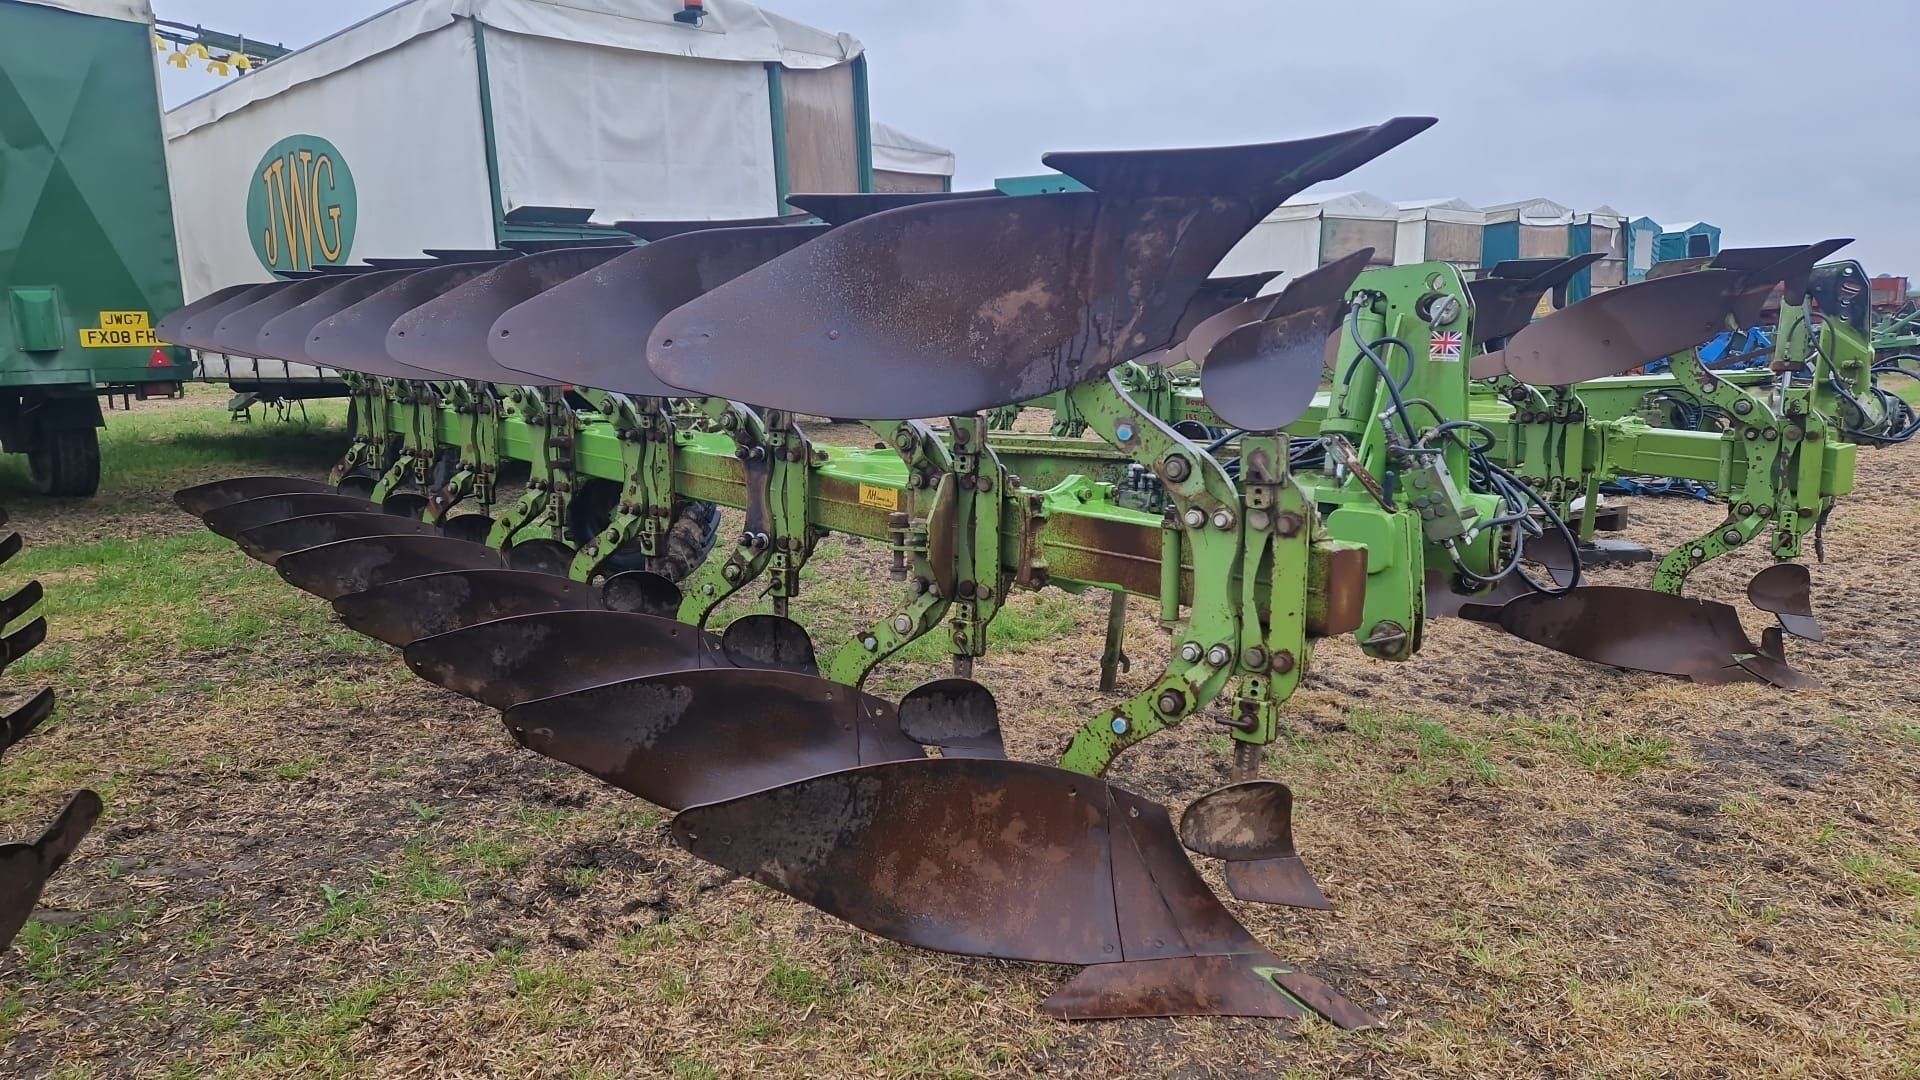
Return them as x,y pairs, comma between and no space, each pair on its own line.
1752,434
1698,553
1223,518
1288,523
1119,725
903,624
1259,520
731,572
1171,702
1190,652
1731,536
1746,509
1710,386
870,643
1219,655
906,440
1743,406
1176,467
1194,517
1772,434
1282,662
1255,658
1123,432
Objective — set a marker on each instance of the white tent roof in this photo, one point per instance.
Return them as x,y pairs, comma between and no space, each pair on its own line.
732,30
1457,211
1531,212
139,11
896,151
1605,216
1336,204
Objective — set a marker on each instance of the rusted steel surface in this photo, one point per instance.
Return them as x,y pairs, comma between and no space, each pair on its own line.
528,657
173,322
1216,297
408,504
21,642
238,333
1445,602
449,333
643,591
957,715
286,337
660,230
1620,329
1058,868
840,207
1249,825
1504,301
1081,547
1785,590
769,641
1262,377
1336,589
1638,629
233,519
331,571
541,556
355,339
404,611
695,736
473,528
20,723
269,542
200,498
193,324
951,307
1790,264
25,868
591,330
1205,334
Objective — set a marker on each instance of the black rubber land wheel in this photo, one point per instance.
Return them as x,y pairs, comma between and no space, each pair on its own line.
66,462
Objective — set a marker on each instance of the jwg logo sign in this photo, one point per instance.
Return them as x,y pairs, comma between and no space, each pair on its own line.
301,207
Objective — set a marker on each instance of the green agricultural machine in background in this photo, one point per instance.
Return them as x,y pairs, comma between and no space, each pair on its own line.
87,256
1355,454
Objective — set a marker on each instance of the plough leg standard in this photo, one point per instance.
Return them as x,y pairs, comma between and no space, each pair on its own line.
780,765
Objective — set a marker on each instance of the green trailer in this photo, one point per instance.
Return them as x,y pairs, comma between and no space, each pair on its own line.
87,255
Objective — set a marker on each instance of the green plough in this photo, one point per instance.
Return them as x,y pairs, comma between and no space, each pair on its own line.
1268,470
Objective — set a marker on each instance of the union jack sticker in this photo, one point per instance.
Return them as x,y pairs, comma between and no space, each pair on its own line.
1446,345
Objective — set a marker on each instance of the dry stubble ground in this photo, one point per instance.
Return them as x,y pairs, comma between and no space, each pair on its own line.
313,864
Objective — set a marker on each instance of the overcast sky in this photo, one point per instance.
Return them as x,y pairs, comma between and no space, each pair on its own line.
1779,120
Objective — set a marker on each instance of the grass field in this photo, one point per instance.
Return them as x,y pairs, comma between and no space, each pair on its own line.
313,864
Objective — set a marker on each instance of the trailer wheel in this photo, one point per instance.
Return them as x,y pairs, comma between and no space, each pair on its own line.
66,461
